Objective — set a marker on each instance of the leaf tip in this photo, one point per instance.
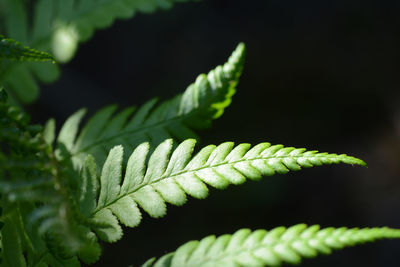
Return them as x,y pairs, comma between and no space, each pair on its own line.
357,161
241,47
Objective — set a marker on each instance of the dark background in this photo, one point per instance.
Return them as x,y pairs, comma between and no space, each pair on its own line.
319,74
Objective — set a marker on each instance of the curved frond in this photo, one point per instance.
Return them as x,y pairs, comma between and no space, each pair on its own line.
57,27
169,174
13,50
203,101
269,248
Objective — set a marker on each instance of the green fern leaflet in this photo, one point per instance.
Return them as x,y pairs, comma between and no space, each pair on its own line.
203,101
268,248
171,174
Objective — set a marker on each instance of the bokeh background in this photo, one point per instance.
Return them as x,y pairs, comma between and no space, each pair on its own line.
319,74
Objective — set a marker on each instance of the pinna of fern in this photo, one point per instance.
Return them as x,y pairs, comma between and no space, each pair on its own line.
169,174
268,248
202,102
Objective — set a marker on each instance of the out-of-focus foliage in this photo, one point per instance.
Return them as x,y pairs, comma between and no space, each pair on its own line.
57,26
13,50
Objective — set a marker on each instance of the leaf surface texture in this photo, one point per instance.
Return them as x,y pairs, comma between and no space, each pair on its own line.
168,174
58,26
269,248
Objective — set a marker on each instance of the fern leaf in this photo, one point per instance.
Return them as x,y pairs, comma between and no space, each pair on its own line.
88,187
203,101
57,27
13,50
70,129
169,174
269,248
40,215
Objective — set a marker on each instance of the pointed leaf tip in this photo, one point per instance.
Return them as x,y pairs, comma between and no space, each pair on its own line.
241,47
354,161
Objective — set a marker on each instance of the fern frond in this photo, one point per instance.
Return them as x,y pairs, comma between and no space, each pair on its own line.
13,50
203,101
269,248
39,211
57,27
169,175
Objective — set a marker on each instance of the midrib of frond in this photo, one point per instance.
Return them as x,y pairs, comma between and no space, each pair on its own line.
281,242
154,181
143,128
